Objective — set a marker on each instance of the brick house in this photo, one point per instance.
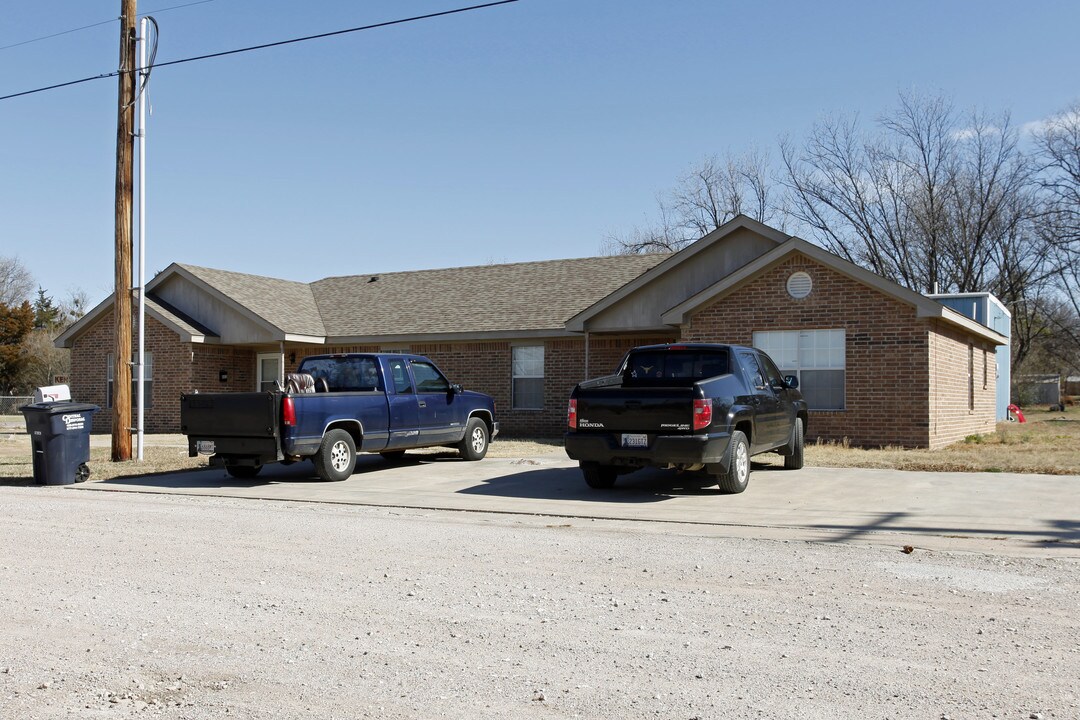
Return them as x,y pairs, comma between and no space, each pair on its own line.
879,364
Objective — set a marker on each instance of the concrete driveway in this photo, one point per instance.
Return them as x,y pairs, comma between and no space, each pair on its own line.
978,512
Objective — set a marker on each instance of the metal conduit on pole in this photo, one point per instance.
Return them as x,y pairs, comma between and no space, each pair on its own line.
144,76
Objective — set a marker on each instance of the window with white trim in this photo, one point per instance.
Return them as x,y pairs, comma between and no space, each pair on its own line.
527,373
148,381
816,357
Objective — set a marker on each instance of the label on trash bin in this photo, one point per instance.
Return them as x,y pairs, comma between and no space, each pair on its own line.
74,421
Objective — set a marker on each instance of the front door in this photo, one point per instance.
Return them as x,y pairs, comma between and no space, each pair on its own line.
268,371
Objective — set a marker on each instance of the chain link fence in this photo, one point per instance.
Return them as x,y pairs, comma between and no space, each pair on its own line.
10,404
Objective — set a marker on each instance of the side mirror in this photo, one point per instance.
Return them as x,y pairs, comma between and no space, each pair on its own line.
456,389
791,382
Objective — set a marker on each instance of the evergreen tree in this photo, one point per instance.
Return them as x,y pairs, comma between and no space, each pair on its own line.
46,314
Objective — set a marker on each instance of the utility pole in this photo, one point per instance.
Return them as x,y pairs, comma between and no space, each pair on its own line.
125,148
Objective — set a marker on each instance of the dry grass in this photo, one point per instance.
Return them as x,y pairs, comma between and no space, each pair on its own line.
1049,443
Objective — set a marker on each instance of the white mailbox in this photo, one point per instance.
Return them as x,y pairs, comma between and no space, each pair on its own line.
52,393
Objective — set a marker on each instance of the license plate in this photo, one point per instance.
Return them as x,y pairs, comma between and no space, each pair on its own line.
635,440
205,447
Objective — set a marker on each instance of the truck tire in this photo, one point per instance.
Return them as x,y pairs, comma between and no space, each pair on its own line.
599,477
794,459
336,458
737,476
243,472
474,445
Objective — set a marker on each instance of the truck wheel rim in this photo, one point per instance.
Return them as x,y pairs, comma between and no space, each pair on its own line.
742,463
478,439
339,456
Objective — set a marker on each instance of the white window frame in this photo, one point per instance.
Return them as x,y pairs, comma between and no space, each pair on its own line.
148,381
514,376
259,379
790,360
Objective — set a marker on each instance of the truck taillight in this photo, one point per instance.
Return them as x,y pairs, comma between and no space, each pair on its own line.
288,412
702,414
571,415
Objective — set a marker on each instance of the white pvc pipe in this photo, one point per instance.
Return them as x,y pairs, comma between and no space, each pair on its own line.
140,424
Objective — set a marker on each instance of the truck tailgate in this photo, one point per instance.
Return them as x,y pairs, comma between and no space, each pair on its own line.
230,414
656,410
241,426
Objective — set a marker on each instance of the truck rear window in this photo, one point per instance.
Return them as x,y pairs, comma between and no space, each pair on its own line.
674,367
344,374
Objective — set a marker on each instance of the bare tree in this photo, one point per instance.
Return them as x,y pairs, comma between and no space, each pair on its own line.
704,198
1058,143
927,201
16,282
74,306
1058,153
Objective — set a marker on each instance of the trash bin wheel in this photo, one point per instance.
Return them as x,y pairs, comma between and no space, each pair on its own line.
82,473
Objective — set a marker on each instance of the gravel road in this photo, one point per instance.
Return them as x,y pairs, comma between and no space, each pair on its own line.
123,605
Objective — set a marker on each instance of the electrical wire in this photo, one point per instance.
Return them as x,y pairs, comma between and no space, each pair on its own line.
264,46
97,24
149,62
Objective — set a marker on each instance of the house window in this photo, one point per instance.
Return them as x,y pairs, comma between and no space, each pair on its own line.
816,357
148,381
527,370
971,377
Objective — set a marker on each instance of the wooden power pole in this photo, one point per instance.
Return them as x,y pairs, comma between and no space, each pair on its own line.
125,150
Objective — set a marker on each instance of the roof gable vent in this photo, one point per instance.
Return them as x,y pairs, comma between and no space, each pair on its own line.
799,285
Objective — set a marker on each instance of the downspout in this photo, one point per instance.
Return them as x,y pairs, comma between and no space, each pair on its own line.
586,355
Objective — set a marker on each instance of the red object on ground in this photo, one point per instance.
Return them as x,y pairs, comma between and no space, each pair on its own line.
1015,412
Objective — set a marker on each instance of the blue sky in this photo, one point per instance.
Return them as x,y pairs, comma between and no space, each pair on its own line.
523,132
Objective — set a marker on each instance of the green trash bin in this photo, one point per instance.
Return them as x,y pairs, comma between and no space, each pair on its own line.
60,437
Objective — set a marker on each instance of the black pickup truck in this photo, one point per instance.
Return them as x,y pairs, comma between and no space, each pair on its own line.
686,407
335,406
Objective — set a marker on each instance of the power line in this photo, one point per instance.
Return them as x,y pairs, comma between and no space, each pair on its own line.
265,46
97,24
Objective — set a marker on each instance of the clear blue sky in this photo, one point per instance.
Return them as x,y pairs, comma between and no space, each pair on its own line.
522,132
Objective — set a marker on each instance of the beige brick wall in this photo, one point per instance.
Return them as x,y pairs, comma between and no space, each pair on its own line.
887,381
959,407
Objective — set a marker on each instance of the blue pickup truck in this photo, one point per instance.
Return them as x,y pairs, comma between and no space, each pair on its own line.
335,406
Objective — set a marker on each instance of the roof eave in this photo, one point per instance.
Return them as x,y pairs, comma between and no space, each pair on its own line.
67,338
449,337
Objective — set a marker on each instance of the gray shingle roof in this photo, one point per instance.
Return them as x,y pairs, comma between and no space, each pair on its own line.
284,304
486,298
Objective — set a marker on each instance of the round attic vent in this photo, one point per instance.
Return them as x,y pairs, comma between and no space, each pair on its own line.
799,285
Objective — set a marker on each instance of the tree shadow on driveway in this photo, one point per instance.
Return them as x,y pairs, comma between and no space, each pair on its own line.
1064,534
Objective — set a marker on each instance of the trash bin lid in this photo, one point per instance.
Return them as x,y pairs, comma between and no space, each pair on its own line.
56,408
